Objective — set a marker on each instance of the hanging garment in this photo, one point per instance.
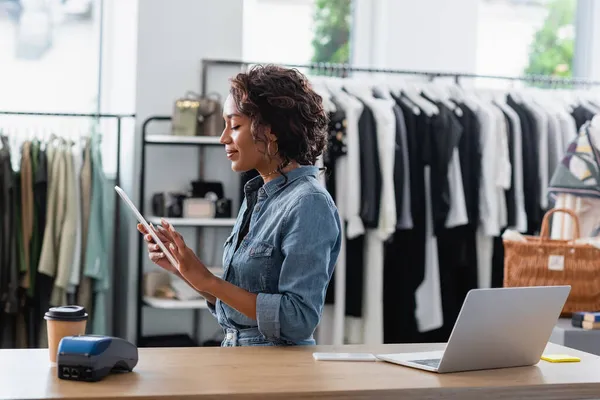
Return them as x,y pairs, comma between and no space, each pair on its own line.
40,180
84,292
349,206
370,171
353,110
384,138
402,173
99,241
75,275
405,256
66,249
581,113
26,209
27,314
517,185
9,273
448,191
336,148
55,214
470,161
542,145
489,226
531,178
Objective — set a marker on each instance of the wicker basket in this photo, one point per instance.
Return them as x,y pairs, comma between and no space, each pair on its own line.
541,261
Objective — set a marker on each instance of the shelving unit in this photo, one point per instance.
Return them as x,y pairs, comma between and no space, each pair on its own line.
196,305
183,140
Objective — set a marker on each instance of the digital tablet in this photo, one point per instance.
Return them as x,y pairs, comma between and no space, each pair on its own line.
147,226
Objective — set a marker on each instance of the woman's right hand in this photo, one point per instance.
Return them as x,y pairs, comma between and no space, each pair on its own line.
155,254
159,258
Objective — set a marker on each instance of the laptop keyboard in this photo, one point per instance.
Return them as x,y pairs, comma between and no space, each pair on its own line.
433,362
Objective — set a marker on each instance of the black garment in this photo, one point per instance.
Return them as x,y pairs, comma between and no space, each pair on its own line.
511,199
530,154
469,148
370,171
457,256
336,146
444,133
404,257
355,249
498,262
399,163
581,115
40,189
401,278
9,269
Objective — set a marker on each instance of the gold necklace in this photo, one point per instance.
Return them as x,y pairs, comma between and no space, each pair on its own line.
276,170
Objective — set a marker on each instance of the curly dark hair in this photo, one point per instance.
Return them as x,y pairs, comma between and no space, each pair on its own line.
282,99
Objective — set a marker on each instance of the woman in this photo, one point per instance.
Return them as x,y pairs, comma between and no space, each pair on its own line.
280,256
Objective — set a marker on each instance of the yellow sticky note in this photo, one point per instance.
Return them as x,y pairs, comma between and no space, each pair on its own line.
560,358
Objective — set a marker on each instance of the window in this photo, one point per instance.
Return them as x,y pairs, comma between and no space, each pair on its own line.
526,37
297,31
49,55
50,58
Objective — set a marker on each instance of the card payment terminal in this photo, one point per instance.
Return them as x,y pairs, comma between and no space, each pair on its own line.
92,357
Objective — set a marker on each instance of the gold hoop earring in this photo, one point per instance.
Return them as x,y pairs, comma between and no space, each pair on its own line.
269,149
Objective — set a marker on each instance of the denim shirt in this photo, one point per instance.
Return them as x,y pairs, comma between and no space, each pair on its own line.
287,258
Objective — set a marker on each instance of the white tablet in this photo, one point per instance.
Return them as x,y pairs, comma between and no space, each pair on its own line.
147,226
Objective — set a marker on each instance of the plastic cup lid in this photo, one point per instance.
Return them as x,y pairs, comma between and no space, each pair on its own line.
66,313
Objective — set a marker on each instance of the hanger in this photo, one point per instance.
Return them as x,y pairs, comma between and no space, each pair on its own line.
411,91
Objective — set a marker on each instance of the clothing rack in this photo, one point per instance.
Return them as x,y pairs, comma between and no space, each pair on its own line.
118,118
343,70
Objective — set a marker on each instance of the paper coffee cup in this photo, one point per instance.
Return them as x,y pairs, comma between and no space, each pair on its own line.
64,321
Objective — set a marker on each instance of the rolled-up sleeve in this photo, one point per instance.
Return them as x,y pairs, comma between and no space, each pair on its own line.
310,246
212,308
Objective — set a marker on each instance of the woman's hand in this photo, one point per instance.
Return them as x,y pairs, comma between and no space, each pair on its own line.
167,235
155,254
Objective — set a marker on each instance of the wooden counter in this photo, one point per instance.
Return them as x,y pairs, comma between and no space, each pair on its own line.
266,372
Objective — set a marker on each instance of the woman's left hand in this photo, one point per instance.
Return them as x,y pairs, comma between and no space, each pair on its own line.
190,266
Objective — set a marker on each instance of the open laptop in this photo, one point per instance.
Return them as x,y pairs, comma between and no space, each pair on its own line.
496,328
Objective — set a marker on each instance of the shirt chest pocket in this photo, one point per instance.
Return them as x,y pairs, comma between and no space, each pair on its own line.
256,269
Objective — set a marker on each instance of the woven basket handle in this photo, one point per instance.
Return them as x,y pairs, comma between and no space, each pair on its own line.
545,233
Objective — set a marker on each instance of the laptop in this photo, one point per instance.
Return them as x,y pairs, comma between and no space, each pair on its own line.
496,328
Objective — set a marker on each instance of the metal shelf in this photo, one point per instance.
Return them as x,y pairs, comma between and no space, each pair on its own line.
195,221
183,140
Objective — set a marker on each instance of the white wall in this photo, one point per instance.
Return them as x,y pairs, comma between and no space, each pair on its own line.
437,35
172,39
278,31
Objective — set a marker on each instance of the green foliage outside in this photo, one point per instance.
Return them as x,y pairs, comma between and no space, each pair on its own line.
551,53
331,41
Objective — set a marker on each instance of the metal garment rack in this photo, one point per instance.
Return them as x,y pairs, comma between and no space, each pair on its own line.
116,282
345,70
